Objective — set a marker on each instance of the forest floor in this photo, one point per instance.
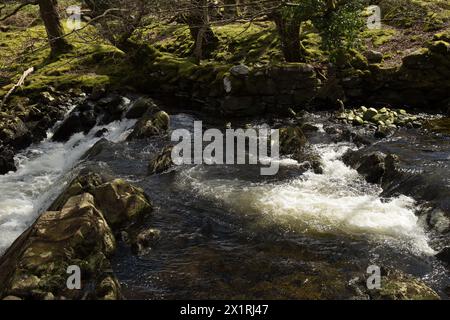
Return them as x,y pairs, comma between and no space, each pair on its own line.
407,26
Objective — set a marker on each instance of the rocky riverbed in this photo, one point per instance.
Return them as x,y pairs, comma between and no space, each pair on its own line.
105,195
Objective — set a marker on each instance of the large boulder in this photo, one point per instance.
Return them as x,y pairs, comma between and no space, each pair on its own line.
112,108
36,265
396,285
85,182
119,201
371,166
151,125
77,121
140,107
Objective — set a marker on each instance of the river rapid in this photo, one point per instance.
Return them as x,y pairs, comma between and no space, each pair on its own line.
228,232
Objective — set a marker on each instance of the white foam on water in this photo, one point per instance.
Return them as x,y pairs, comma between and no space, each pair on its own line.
338,201
40,175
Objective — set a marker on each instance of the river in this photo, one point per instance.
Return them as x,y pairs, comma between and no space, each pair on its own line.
228,232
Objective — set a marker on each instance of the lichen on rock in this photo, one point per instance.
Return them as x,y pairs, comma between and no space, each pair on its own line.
151,125
36,265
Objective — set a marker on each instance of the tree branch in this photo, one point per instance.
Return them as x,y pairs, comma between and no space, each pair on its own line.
17,85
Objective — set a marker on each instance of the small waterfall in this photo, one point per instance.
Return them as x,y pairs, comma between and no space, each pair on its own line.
40,175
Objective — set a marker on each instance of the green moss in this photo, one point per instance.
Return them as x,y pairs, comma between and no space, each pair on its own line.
429,14
250,44
86,66
379,37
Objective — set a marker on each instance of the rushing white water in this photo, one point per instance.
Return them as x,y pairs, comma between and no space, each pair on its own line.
40,175
338,201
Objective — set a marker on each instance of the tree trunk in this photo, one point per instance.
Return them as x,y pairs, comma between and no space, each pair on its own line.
55,33
205,41
289,33
232,9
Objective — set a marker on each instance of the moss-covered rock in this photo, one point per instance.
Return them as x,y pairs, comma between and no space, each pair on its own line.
162,162
121,202
36,265
386,120
292,140
151,125
396,285
141,106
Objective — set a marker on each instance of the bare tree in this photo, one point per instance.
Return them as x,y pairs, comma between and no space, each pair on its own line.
199,25
55,33
48,10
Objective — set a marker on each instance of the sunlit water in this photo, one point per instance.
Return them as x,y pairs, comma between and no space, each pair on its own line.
227,231
337,201
40,176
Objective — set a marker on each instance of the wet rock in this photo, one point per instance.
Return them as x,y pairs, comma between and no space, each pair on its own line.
35,267
439,125
440,47
370,113
14,132
162,162
396,285
97,149
292,140
145,241
358,137
112,107
151,125
309,127
85,182
109,289
78,121
371,166
110,101
383,118
333,130
444,255
140,107
385,131
6,160
101,133
121,202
